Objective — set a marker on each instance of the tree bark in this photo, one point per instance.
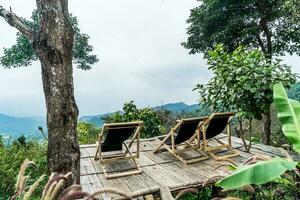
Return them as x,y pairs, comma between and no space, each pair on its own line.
242,134
266,136
53,44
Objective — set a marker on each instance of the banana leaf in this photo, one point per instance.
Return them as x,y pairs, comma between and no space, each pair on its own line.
289,115
259,173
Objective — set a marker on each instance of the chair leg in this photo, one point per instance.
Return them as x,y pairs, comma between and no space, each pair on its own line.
97,151
98,145
161,144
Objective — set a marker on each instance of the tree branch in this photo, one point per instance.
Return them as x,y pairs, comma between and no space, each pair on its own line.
261,43
15,21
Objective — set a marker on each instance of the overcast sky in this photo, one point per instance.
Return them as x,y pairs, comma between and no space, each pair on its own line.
141,59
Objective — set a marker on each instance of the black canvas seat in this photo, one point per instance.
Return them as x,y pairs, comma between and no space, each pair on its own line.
185,132
216,126
116,136
213,126
111,143
180,136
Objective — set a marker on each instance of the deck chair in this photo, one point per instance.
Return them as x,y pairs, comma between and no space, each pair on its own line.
110,146
177,140
214,125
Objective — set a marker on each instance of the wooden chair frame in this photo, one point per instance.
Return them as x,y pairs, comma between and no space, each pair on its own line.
186,146
211,149
126,155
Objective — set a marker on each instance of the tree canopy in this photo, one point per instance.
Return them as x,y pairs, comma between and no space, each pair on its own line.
242,81
271,25
22,53
152,122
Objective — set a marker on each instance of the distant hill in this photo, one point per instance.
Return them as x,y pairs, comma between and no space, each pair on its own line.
13,127
179,107
173,107
97,120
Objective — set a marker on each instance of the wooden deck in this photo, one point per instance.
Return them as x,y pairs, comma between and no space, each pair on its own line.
162,173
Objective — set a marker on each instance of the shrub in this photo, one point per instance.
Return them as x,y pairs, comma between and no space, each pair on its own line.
152,123
87,133
11,158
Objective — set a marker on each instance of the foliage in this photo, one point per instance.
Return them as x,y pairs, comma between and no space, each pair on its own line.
87,133
56,188
152,123
22,53
272,170
203,194
294,92
270,191
11,158
35,186
242,81
23,191
272,25
1,142
289,115
257,174
167,119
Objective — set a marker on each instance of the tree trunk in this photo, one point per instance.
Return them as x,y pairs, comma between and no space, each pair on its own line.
266,136
53,45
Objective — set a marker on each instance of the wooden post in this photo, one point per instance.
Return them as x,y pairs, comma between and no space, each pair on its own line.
198,138
173,141
138,143
100,147
204,137
229,134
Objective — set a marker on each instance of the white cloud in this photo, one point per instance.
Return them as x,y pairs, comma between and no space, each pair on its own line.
141,59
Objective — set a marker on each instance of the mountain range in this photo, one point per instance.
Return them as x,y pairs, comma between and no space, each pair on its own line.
12,127
173,107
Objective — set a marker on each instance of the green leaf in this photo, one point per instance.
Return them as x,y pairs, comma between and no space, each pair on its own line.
22,53
259,173
289,115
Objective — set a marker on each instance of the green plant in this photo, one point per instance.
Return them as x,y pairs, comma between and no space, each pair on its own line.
1,142
152,123
56,188
243,82
273,169
11,158
22,189
271,25
203,194
289,116
87,133
257,174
